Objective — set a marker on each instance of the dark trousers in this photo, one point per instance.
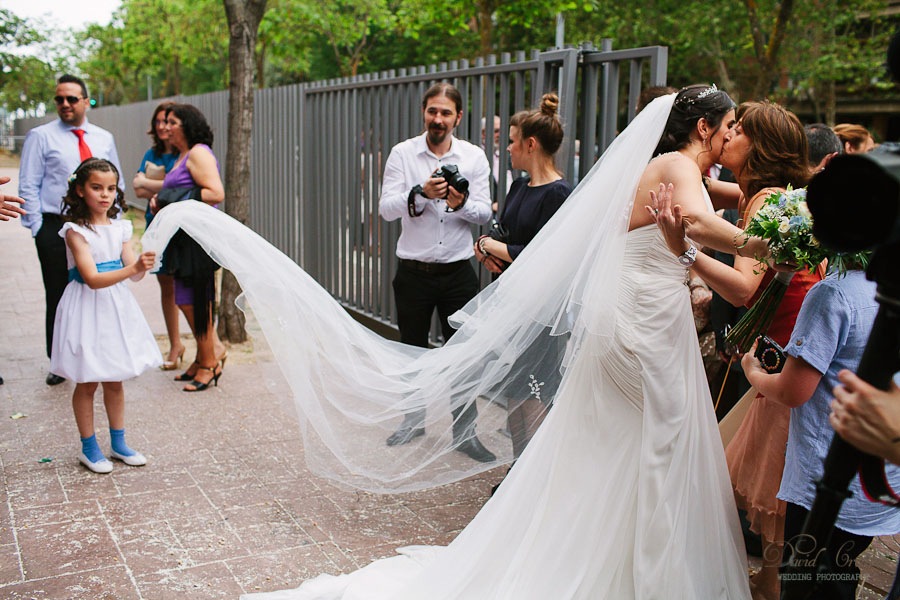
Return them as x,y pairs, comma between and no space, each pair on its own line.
418,292
51,250
841,575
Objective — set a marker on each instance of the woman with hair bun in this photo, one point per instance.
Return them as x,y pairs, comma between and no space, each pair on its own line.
197,169
534,138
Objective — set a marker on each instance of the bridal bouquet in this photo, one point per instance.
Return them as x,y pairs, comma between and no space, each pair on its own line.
785,221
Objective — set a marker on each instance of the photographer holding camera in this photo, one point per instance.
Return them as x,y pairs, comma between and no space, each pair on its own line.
438,185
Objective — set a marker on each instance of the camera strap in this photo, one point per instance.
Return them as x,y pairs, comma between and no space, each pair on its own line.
875,483
411,201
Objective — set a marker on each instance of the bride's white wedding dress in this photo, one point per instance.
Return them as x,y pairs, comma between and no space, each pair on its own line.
623,493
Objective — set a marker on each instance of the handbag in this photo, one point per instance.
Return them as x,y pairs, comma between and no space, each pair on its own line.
154,171
185,260
167,196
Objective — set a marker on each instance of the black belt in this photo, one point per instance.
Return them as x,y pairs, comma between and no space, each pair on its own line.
434,268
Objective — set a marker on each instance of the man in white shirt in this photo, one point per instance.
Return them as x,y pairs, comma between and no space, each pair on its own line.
435,242
50,155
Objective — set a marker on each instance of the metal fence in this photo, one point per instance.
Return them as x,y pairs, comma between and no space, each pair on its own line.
319,148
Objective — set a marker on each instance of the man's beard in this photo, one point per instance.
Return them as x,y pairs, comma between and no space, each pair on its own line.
437,136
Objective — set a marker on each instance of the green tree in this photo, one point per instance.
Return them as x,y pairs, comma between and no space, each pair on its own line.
27,81
179,44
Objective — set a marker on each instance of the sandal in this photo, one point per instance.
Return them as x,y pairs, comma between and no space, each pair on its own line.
171,365
199,386
188,375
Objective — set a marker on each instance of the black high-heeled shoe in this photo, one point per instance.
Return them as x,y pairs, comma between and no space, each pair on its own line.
199,386
187,375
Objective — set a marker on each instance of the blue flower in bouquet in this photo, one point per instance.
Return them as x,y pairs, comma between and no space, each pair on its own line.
797,222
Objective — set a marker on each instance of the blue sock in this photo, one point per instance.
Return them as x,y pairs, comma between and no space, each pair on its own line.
91,449
117,441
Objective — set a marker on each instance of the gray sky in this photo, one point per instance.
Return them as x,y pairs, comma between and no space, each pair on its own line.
64,14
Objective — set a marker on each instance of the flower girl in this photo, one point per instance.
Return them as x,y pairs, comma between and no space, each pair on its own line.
100,334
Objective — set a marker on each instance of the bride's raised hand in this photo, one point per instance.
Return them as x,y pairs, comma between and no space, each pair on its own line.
668,218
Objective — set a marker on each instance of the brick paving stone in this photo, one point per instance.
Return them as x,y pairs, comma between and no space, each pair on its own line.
112,583
282,569
61,548
210,581
150,547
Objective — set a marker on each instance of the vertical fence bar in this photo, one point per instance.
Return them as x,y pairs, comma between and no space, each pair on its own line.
590,78
634,86
611,104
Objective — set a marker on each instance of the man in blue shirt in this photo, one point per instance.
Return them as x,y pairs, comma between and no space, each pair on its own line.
51,153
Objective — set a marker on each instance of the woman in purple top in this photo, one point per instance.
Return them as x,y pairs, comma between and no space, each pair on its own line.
196,167
534,138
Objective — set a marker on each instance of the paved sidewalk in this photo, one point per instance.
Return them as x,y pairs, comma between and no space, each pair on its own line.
225,504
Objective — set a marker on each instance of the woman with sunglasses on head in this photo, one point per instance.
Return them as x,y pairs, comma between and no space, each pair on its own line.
196,169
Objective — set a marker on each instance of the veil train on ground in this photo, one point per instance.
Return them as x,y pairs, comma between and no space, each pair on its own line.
352,387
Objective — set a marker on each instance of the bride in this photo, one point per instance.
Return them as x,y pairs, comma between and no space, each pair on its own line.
623,492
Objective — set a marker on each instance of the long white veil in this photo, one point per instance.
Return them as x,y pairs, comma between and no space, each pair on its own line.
352,387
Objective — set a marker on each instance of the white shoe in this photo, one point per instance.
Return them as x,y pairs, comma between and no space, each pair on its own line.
135,460
101,466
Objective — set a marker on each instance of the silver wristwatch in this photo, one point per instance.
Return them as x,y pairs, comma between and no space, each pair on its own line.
687,259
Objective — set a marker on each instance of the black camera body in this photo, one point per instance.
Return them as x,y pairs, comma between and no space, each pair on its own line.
450,174
855,200
769,354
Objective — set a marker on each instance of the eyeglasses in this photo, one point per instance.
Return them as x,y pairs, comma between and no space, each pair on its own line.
70,99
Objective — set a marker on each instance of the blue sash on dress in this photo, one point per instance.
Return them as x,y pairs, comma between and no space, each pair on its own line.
110,265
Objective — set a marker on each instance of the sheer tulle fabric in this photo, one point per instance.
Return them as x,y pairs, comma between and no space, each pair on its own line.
352,387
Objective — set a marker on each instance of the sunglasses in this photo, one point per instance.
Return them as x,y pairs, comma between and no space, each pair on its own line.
70,99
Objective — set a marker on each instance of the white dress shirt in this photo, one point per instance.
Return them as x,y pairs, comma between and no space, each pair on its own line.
435,236
50,155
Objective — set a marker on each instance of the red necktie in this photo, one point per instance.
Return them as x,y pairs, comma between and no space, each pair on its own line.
83,149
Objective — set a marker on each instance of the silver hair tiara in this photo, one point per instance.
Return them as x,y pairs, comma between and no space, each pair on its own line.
707,92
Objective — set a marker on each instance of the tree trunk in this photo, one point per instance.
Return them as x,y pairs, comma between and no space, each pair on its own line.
767,48
486,26
244,17
261,66
830,103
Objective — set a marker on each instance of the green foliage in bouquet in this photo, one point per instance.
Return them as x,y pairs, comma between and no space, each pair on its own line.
785,221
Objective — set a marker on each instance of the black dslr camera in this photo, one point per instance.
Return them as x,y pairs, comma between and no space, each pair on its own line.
450,174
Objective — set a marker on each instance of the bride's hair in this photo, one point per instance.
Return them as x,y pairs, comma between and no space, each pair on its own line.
779,150
543,124
692,103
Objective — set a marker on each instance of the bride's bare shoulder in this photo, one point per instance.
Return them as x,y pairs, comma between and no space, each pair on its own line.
672,167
